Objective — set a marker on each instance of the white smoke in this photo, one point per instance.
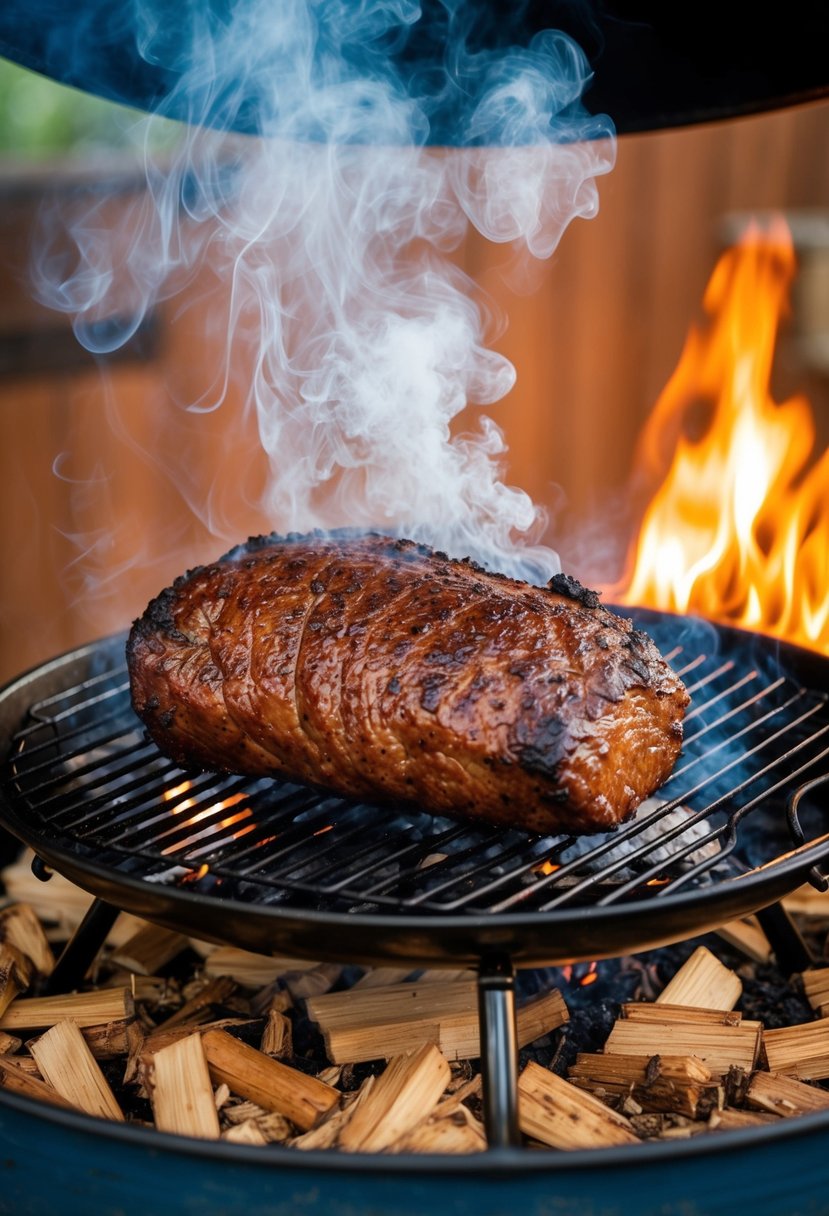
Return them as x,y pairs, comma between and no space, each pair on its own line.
359,339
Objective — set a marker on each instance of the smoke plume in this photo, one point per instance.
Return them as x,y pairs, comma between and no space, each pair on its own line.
305,182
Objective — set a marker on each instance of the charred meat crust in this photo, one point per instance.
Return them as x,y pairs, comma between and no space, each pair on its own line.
381,669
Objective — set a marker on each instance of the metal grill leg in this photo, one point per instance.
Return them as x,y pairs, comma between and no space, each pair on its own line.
790,950
79,952
499,1051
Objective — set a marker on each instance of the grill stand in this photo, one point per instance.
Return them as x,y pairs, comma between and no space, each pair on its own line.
83,946
499,1050
790,950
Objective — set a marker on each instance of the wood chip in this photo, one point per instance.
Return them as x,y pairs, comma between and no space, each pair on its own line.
725,1120
454,1132
540,1016
785,1096
9,1043
109,1041
748,937
313,982
200,1008
816,986
644,1011
559,1114
18,1080
661,1083
20,926
249,969
720,1046
378,1023
16,973
68,1065
381,977
326,1134
273,1127
150,949
84,1008
408,1089
799,1051
248,1132
807,902
181,1091
272,1085
277,1035
703,982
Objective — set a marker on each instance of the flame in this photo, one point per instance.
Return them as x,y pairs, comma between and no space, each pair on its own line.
590,977
175,792
196,875
230,821
546,867
738,529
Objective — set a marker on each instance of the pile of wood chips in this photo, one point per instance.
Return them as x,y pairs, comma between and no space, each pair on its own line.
211,1054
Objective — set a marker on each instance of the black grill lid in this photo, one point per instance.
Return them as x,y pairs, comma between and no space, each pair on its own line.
654,64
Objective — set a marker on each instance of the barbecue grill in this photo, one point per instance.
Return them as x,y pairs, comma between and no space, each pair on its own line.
280,868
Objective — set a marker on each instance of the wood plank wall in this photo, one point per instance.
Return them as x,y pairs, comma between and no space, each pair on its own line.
97,466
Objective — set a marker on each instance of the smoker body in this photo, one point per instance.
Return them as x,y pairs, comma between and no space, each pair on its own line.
62,1161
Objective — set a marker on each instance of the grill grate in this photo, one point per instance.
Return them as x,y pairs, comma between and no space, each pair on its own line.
81,773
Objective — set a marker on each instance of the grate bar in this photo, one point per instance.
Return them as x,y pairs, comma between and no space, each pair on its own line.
671,833
638,827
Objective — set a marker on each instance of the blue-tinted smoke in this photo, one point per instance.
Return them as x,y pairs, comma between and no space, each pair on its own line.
329,220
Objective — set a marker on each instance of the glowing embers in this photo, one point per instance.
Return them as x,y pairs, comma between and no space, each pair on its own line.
217,826
580,974
738,528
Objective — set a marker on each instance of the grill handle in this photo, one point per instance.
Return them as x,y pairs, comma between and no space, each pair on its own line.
817,878
499,1050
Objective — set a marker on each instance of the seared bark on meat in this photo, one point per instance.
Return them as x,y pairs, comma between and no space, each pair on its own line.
385,671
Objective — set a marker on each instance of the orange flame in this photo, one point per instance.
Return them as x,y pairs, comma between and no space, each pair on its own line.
175,792
546,867
738,530
188,804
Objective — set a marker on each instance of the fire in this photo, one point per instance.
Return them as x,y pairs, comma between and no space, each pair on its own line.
207,812
175,792
590,977
738,529
546,867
